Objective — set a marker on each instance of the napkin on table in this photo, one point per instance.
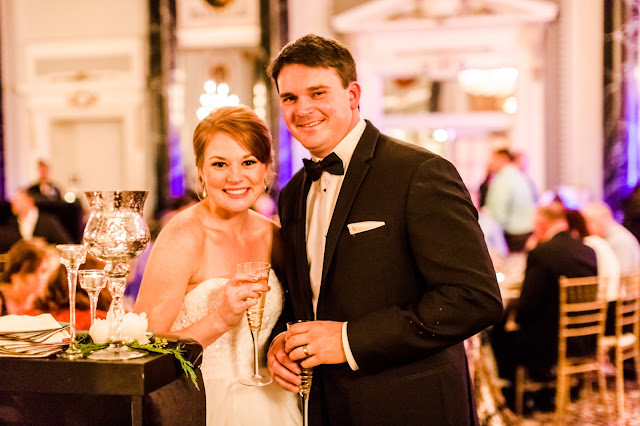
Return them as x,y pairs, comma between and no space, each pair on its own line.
17,323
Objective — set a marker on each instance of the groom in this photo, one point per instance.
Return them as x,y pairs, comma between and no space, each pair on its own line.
383,250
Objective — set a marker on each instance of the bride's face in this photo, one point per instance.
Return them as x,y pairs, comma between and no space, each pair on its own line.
234,178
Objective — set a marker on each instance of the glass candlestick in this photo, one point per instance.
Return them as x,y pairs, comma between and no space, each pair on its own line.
92,281
72,256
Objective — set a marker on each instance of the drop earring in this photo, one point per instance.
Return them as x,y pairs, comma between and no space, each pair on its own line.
204,186
266,187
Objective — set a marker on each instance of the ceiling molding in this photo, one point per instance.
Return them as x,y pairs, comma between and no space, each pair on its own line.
390,15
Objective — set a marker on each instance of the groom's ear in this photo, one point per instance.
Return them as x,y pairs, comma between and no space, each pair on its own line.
354,94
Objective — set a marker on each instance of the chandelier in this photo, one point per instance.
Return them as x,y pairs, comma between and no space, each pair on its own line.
214,97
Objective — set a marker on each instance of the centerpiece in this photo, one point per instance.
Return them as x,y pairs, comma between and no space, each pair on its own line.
115,233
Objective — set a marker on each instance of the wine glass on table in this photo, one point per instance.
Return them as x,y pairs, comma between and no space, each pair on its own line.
93,281
306,375
72,256
254,316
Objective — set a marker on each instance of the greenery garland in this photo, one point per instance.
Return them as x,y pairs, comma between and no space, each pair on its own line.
87,346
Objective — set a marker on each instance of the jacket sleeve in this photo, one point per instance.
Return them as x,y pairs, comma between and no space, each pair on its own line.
461,296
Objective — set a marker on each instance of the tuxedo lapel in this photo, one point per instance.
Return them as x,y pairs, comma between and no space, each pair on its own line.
358,168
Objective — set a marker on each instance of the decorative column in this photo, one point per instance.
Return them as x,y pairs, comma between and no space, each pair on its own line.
274,34
621,159
164,140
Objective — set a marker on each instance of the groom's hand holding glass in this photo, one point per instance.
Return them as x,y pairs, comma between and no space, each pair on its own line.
322,341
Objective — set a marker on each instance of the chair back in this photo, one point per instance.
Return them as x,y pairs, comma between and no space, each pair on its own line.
628,306
582,313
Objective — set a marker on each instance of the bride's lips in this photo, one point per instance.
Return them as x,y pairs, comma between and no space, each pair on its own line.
236,192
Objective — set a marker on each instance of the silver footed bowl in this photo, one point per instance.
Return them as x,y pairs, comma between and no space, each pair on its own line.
116,230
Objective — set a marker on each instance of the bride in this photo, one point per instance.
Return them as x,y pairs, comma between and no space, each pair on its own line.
190,285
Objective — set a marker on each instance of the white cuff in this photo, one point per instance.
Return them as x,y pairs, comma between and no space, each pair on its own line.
347,349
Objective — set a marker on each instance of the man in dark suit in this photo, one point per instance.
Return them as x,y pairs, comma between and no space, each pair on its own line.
44,189
536,312
383,251
533,342
28,222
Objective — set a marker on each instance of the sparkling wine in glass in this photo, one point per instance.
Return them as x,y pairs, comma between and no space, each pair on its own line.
254,317
72,256
93,281
306,375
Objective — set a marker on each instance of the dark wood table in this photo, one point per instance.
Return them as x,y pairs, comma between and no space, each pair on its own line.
53,391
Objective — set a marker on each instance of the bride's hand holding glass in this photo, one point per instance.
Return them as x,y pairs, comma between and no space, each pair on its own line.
241,292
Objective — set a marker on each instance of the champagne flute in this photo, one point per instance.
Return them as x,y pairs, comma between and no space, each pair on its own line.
306,375
254,315
72,256
93,281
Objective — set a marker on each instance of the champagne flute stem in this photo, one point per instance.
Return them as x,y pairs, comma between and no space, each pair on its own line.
305,409
72,276
254,337
93,300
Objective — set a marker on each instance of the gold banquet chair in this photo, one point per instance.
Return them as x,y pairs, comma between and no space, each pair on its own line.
582,314
626,341
524,383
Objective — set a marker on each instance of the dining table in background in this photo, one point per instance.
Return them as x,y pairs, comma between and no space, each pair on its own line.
510,274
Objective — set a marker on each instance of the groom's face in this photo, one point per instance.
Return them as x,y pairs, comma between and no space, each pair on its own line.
318,110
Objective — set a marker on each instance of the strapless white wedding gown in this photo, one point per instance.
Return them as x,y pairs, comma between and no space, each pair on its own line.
231,357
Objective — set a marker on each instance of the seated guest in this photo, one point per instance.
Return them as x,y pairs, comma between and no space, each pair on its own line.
28,222
55,299
24,277
608,264
44,189
624,244
600,222
535,342
536,312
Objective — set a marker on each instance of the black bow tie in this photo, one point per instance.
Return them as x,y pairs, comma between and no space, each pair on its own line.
330,164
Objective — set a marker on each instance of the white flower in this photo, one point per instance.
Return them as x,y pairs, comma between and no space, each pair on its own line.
134,327
100,331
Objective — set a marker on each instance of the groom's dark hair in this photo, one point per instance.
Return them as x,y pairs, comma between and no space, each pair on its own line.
315,52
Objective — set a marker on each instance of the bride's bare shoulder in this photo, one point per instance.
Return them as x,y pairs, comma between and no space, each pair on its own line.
263,223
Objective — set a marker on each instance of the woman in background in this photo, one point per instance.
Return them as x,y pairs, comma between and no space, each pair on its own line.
24,277
56,298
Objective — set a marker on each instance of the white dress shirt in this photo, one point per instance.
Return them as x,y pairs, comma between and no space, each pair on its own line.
321,201
608,266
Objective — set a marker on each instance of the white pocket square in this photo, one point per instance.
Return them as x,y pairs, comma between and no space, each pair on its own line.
358,227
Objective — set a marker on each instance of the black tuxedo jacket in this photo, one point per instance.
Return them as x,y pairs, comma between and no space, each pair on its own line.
537,308
411,290
47,227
